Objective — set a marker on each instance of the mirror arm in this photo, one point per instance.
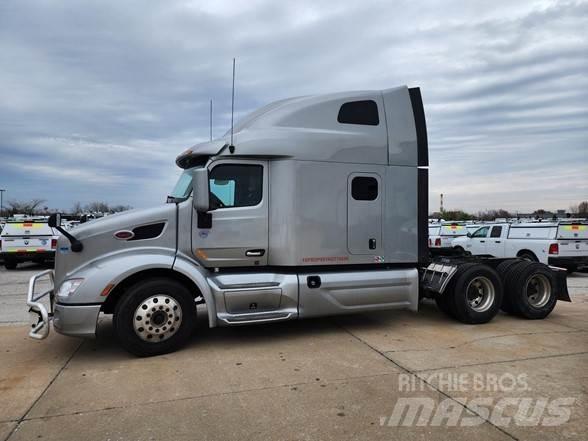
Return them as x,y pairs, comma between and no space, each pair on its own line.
76,245
55,222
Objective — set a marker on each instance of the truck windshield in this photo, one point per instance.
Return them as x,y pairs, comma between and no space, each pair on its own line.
183,187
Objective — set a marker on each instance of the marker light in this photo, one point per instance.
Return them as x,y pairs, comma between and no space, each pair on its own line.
124,234
438,242
553,248
53,244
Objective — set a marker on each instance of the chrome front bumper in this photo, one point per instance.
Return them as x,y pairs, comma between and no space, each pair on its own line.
40,330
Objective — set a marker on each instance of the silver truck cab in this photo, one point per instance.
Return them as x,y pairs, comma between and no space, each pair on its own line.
317,208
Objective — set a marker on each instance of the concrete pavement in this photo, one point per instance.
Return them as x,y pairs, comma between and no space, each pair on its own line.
316,379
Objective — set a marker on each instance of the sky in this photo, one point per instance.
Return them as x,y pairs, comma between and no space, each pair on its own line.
97,98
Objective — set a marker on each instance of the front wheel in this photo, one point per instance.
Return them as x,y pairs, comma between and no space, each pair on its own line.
155,317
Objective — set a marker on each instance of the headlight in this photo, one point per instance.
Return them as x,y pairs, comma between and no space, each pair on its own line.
68,287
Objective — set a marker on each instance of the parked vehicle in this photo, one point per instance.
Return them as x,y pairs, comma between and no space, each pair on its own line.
317,206
27,242
442,235
563,244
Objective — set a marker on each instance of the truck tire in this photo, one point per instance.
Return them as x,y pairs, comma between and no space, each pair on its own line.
504,270
531,290
155,316
442,302
528,255
571,268
476,294
10,264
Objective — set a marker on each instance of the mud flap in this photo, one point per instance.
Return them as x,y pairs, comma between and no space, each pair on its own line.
561,284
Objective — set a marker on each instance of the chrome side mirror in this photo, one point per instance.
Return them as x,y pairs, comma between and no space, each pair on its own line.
200,190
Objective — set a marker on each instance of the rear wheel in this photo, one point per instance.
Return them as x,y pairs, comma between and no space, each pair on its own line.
504,270
528,255
531,290
476,294
155,317
442,302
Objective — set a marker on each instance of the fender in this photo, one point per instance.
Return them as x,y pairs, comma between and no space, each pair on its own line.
115,268
190,268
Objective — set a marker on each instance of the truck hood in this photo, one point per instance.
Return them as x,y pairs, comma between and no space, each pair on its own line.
125,220
99,242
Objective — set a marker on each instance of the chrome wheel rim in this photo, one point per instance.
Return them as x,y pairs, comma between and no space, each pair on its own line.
157,318
480,294
538,290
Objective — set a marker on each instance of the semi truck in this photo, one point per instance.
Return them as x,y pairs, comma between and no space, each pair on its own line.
311,206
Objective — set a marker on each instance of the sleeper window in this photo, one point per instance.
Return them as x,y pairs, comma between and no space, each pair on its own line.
236,185
359,112
364,188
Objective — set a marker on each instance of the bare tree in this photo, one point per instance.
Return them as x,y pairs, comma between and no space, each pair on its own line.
583,208
77,208
24,207
490,215
97,207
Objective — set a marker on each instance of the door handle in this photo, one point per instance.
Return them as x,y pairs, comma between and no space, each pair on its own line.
482,241
372,244
254,253
496,241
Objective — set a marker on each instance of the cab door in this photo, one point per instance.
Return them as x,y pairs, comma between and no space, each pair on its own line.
495,243
478,240
235,230
364,214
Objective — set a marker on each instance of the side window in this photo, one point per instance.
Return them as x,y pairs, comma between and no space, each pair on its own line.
364,188
496,232
481,232
236,185
359,112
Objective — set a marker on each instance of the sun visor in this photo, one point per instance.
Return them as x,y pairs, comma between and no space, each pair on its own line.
199,152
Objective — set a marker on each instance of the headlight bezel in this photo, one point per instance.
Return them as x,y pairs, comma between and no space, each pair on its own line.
69,287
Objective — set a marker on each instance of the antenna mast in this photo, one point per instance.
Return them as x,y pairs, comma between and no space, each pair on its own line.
232,106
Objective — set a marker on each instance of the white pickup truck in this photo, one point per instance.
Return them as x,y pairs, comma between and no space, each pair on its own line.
441,235
562,244
27,241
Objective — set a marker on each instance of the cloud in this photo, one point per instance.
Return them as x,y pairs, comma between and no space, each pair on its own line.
99,97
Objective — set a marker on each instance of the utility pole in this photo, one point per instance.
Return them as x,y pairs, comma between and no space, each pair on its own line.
1,201
441,205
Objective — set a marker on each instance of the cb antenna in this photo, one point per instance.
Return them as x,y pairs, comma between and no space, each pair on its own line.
232,147
211,120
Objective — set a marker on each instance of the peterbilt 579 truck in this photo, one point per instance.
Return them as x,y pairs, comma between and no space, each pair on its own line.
316,207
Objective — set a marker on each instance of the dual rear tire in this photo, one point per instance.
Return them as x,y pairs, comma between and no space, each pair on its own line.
530,288
519,287
474,296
